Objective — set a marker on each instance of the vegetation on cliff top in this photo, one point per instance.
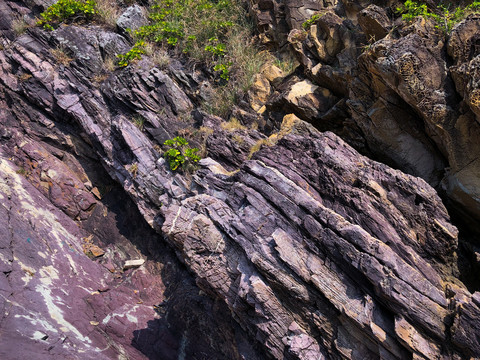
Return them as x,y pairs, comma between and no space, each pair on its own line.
446,16
216,34
64,10
201,29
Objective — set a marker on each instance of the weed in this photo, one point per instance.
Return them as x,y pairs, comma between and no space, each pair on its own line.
257,146
195,27
67,10
238,139
108,12
224,69
19,26
99,78
22,171
287,64
24,77
307,24
139,122
135,53
233,125
368,46
247,61
445,17
109,64
206,130
61,57
180,154
159,56
133,169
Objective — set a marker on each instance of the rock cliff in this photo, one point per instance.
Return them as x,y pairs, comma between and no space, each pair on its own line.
315,228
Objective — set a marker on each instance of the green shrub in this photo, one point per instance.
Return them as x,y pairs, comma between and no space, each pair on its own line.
64,10
307,24
180,154
135,53
201,29
411,9
445,17
224,69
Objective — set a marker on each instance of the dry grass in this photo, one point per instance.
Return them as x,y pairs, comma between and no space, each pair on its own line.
61,57
161,58
158,54
19,25
206,130
233,125
109,64
109,12
24,77
238,139
247,61
257,146
99,78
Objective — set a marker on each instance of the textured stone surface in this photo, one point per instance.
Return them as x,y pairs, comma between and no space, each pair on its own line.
132,18
287,245
400,94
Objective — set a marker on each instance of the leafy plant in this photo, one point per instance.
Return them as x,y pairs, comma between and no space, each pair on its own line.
224,69
217,49
411,9
307,24
201,29
135,53
180,154
445,17
64,10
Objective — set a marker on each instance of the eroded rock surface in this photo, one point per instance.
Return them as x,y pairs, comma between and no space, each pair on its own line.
293,245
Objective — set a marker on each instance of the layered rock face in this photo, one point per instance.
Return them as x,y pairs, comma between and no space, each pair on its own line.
303,249
408,91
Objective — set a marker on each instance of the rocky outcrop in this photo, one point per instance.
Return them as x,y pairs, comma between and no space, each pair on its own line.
404,94
399,89
293,241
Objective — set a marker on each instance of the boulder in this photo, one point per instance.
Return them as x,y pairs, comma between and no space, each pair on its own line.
132,18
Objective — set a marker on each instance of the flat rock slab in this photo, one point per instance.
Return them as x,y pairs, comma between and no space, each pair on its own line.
129,264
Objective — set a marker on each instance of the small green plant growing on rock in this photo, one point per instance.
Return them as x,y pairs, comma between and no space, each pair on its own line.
64,10
308,23
411,9
135,53
180,154
133,169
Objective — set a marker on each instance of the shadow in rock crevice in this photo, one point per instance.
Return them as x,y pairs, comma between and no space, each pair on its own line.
188,323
